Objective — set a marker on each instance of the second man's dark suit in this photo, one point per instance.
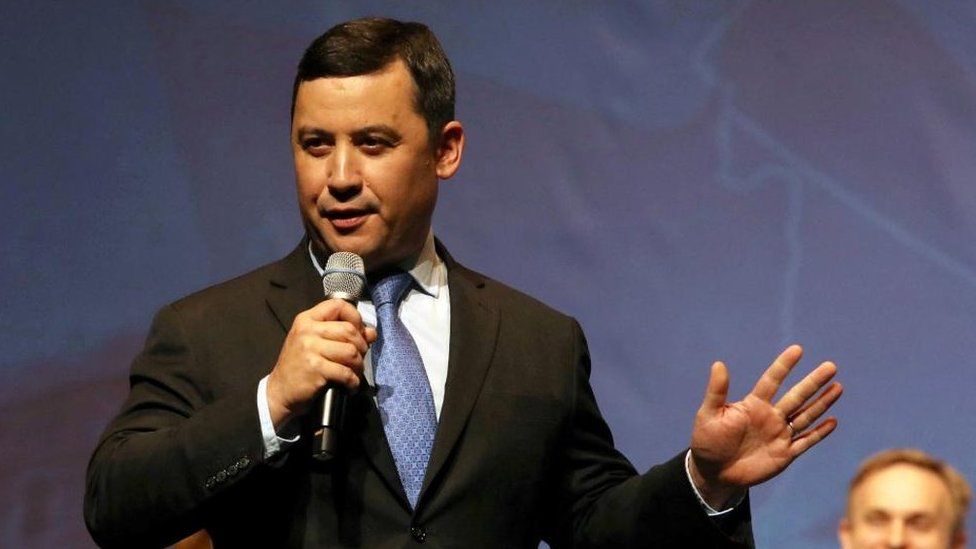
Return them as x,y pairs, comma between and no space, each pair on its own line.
521,451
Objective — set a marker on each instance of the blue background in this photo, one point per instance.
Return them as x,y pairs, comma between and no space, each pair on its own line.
692,180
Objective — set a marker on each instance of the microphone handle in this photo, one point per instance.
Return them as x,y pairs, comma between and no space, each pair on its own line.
331,407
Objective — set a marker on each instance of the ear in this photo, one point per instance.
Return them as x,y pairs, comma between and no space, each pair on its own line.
844,533
449,149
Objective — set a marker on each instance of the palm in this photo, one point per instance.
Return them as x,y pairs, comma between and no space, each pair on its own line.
744,443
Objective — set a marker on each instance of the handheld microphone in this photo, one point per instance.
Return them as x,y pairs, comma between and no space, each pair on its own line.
344,278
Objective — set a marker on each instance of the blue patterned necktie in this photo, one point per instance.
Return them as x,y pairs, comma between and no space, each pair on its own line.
403,391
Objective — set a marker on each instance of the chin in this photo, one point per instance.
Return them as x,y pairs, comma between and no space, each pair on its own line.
331,242
369,251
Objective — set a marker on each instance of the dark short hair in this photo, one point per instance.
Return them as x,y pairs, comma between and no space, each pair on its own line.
367,45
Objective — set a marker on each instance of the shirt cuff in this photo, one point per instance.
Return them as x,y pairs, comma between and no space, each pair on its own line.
708,508
273,444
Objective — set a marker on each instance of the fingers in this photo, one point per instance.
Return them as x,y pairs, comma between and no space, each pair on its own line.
324,344
810,438
334,309
773,377
326,320
333,350
315,362
812,411
341,332
806,388
717,390
333,358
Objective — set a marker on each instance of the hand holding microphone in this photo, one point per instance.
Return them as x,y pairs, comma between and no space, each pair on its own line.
323,352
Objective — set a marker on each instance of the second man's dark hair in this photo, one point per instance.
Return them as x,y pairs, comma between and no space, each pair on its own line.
367,45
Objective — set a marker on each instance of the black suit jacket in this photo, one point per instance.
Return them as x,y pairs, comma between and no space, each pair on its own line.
521,451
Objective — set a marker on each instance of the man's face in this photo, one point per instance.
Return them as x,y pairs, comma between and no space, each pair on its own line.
367,176
901,506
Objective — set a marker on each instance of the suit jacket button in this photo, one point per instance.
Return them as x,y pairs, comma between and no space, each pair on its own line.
418,533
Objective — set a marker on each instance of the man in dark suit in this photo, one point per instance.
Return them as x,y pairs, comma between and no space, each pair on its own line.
510,444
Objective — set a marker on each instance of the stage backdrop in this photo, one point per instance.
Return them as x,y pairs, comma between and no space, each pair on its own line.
692,180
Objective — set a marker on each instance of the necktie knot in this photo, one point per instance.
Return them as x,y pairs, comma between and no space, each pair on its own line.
391,289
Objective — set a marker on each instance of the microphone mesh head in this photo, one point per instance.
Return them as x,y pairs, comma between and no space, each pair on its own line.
344,277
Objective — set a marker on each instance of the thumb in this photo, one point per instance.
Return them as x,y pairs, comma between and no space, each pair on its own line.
717,390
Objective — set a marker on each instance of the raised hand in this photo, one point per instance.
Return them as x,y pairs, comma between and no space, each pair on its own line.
740,444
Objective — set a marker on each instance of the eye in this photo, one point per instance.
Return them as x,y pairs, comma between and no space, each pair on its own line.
374,144
315,145
921,523
876,518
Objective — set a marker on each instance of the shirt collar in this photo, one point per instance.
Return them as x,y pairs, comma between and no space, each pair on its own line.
427,270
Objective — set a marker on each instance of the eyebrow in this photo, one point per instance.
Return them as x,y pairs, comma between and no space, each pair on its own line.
387,132
376,128
308,130
921,513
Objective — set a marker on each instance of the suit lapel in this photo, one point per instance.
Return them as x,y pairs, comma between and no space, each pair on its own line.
474,330
295,286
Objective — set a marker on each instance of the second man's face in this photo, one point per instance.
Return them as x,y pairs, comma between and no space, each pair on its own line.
366,175
900,507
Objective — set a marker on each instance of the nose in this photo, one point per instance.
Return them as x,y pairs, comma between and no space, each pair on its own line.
896,535
344,178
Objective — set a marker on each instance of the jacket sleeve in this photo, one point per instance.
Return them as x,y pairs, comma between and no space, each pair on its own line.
174,449
609,505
